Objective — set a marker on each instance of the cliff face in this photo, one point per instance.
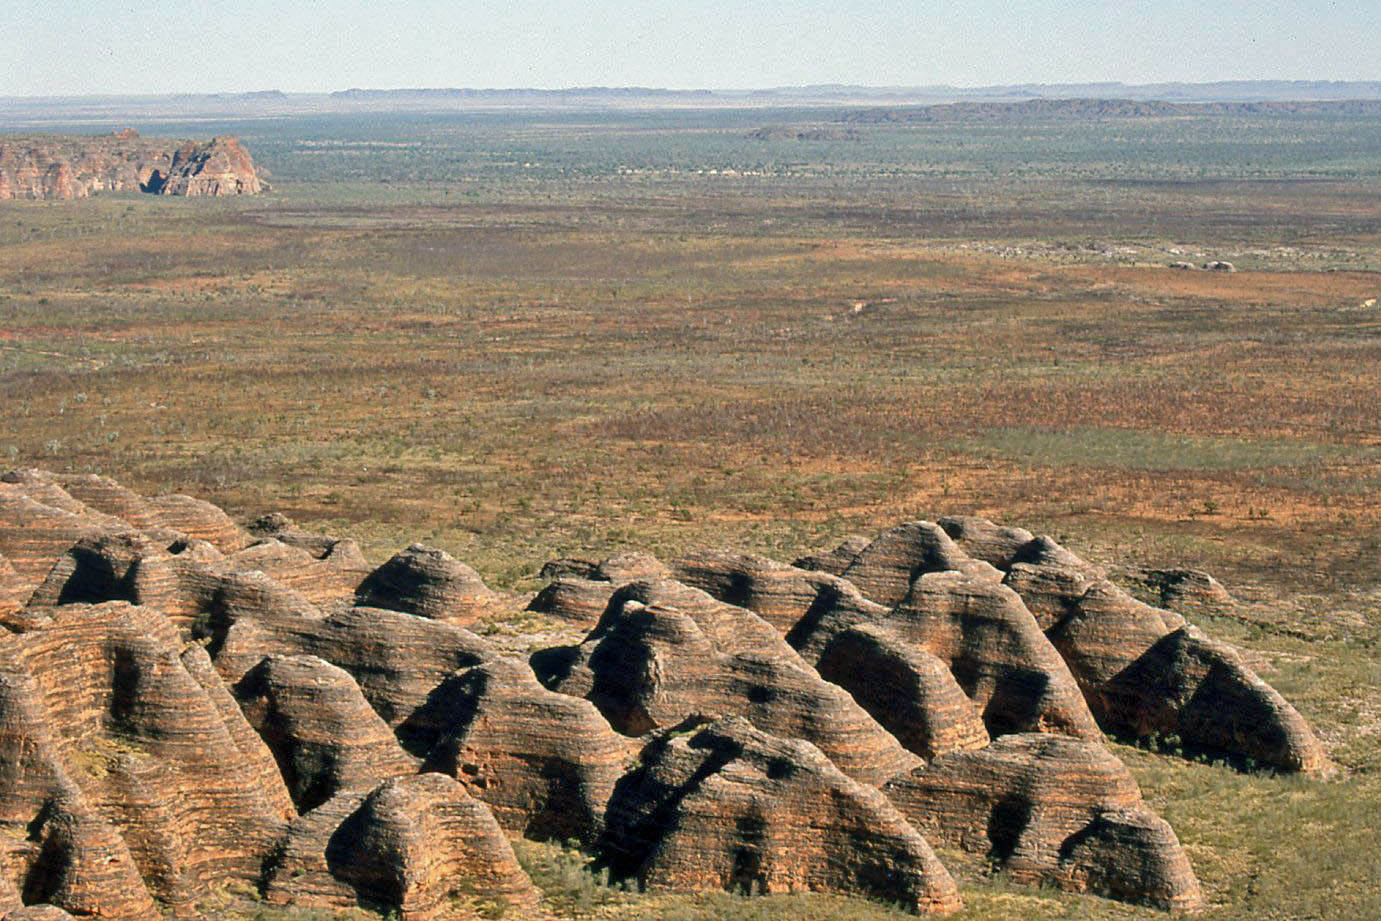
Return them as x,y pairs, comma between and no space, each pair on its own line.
59,167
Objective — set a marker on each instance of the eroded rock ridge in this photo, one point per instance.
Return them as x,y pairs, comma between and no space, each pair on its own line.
60,166
186,703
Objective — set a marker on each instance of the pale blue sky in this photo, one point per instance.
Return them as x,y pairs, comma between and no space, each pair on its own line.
159,46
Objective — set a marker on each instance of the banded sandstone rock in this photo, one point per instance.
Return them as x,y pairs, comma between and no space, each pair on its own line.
664,651
429,583
1144,671
1050,809
408,846
112,717
322,732
961,616
728,806
545,763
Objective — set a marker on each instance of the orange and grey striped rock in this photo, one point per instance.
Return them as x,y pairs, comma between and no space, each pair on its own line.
580,589
33,534
997,652
731,807
35,913
429,583
664,651
910,692
1144,671
952,609
1055,810
571,598
885,569
964,618
545,763
322,732
407,846
108,713
397,659
12,594
1202,689
781,595
320,581
837,560
105,502
342,553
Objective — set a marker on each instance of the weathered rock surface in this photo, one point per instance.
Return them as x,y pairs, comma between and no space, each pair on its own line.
580,589
959,615
1143,671
664,651
1050,809
322,732
429,583
1187,588
220,166
131,778
408,846
731,807
58,167
910,692
580,601
545,763
136,777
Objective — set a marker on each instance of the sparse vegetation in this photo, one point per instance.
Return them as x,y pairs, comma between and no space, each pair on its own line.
521,337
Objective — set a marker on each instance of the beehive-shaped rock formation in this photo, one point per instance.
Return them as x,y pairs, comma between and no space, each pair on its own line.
1051,809
545,763
430,583
1142,670
122,741
322,732
407,846
731,807
807,748
961,616
664,651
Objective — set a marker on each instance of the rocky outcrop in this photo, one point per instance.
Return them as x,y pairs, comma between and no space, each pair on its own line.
146,779
1143,671
952,609
60,167
429,583
322,732
731,807
580,589
664,652
220,166
408,846
1187,588
910,692
545,763
688,741
1054,810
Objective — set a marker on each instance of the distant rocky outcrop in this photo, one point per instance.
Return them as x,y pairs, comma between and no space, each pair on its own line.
188,704
60,166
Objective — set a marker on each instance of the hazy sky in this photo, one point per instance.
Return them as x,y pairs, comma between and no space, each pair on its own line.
160,46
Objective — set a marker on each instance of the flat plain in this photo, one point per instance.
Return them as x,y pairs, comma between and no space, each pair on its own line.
523,335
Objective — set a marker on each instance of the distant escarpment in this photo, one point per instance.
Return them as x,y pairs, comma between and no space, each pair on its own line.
1098,108
188,705
59,166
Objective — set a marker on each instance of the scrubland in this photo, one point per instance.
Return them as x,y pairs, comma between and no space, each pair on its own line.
524,336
